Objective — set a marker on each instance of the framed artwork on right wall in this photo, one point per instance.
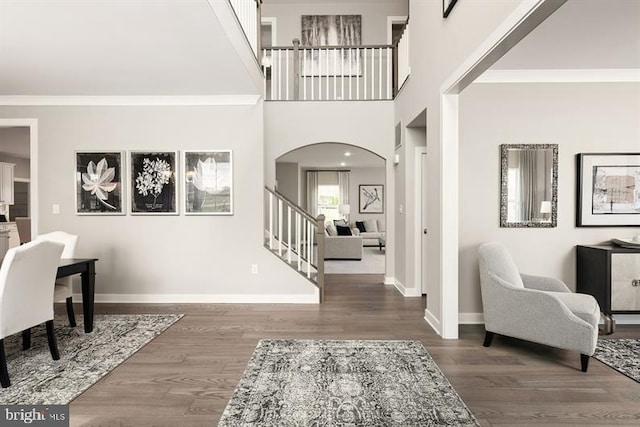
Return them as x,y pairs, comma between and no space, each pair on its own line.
608,187
371,198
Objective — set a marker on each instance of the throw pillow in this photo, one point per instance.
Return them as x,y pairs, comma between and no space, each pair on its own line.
340,222
360,225
371,225
331,229
343,230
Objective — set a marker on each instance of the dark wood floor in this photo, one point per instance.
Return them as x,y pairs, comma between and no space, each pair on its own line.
186,376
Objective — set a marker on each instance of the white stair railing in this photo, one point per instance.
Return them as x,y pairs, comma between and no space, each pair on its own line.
328,73
248,14
295,237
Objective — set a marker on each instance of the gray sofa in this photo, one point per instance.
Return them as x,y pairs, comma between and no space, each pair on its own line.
369,238
343,247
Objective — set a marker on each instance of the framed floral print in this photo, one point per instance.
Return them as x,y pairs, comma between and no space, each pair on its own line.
208,182
98,180
153,188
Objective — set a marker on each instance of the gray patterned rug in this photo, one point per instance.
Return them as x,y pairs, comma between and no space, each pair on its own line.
84,358
623,355
344,383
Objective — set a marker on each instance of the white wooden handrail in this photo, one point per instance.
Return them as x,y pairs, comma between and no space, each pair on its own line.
295,237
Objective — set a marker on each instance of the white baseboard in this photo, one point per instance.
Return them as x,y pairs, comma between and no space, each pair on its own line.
407,292
471,318
478,319
433,322
203,298
389,280
627,319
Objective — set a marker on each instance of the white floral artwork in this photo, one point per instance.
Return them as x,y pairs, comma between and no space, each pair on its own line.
208,182
153,182
99,183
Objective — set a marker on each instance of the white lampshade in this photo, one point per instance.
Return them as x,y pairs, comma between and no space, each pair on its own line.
545,207
344,209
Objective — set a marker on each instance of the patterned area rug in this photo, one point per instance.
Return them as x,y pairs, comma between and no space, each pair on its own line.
622,355
344,383
84,358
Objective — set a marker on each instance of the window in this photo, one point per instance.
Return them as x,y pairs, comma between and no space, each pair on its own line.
328,200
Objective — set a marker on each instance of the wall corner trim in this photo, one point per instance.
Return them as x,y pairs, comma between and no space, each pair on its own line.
433,321
389,281
405,291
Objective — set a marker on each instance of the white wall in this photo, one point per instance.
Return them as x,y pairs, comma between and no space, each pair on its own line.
166,258
374,17
580,118
438,47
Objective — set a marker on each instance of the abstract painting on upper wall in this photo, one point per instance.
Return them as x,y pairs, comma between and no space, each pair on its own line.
608,190
98,180
208,182
343,33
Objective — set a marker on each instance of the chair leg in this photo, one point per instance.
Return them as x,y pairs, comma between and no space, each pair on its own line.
584,362
4,375
72,317
51,337
488,337
26,339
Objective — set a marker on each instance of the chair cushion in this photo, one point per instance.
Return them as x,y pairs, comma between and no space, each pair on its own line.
494,258
371,225
582,305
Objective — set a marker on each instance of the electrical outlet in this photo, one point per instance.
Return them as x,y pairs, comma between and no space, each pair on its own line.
254,268
55,208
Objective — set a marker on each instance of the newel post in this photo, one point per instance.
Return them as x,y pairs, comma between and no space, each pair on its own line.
320,261
296,69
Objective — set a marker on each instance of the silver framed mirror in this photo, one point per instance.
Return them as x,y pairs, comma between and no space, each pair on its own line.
529,185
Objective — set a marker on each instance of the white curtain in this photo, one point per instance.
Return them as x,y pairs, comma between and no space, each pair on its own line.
312,193
343,186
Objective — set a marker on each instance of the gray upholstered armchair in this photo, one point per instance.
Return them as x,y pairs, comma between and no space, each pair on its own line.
532,308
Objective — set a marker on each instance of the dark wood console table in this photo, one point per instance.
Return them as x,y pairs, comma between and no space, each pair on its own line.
612,275
86,267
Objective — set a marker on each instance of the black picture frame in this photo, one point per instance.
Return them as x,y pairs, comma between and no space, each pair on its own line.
371,198
608,190
98,182
447,6
153,182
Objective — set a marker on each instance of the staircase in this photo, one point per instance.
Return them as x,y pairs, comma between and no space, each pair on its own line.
295,237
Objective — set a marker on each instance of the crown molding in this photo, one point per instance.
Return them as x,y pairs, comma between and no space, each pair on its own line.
29,100
630,75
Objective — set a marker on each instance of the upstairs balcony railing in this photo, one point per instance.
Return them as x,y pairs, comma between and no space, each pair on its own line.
329,73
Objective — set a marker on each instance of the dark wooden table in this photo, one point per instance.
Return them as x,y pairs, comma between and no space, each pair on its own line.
86,267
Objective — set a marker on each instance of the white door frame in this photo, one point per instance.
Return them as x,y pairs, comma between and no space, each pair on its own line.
419,195
526,17
393,20
271,20
32,124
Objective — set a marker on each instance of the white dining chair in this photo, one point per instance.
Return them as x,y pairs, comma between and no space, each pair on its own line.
63,288
26,295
